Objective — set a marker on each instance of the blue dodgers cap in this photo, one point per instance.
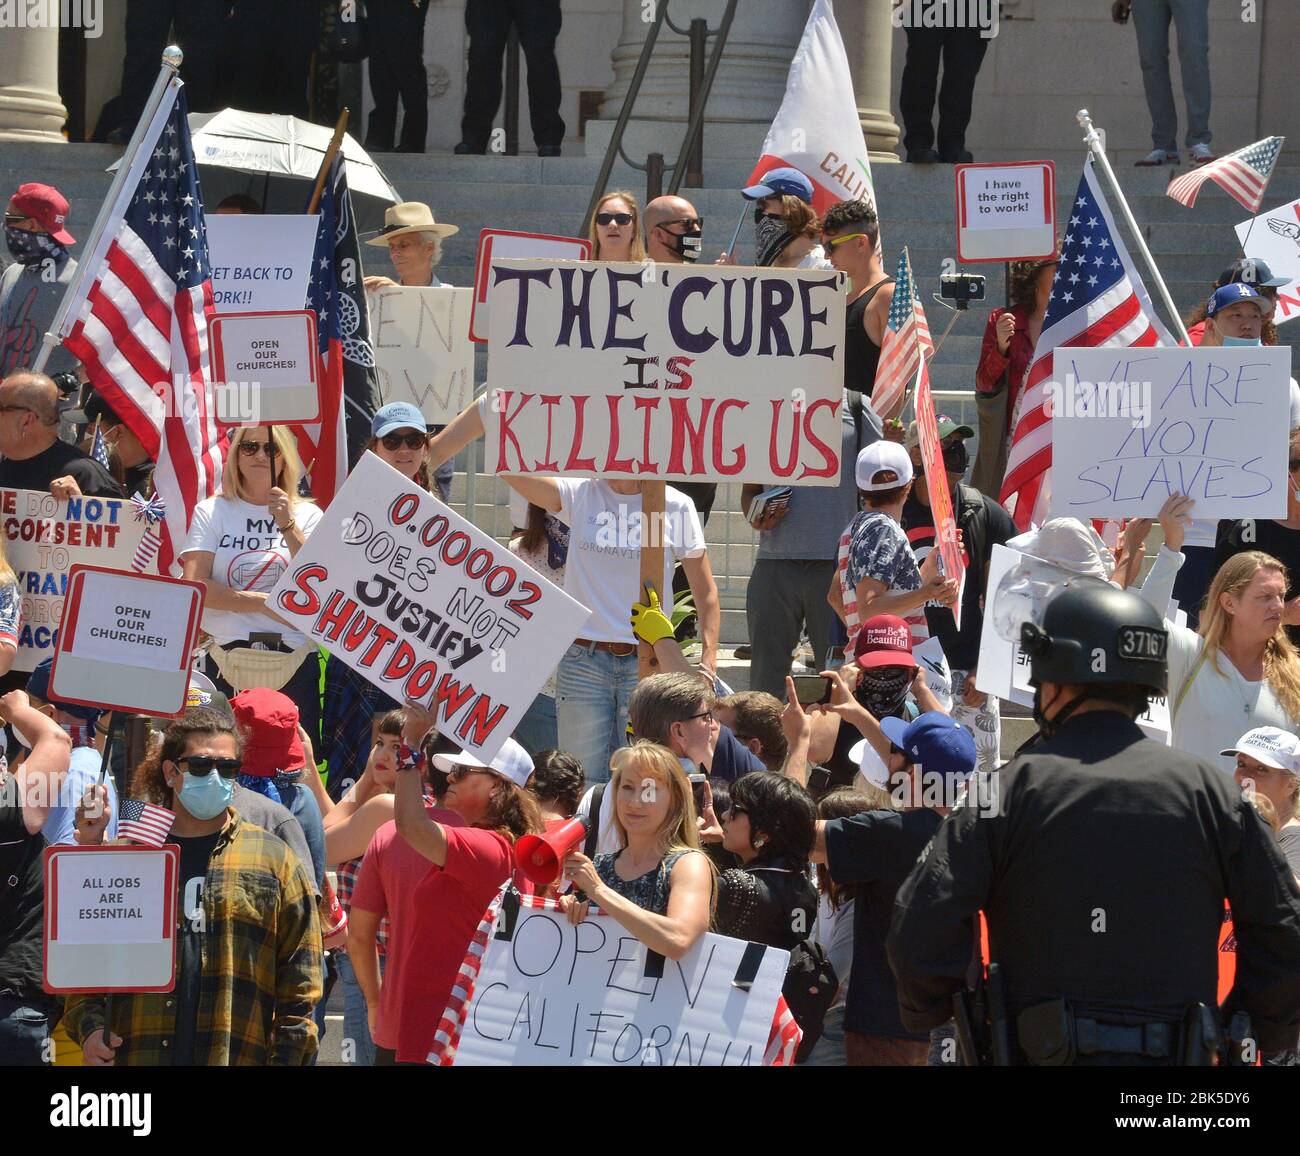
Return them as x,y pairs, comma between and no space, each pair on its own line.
780,182
396,415
1227,295
935,740
38,686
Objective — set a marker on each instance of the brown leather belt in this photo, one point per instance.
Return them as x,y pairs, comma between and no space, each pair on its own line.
617,649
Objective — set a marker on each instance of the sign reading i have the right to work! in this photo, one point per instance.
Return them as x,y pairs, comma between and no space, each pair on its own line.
1006,212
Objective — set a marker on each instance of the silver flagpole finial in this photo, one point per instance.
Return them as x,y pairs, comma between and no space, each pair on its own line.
172,57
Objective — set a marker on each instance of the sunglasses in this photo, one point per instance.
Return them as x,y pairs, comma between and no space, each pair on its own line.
15,218
203,765
252,449
458,773
836,242
395,441
736,809
1293,465
693,224
613,218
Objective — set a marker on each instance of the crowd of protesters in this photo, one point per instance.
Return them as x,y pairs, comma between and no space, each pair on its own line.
329,834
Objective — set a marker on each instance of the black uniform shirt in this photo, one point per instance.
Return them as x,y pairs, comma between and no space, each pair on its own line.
1103,872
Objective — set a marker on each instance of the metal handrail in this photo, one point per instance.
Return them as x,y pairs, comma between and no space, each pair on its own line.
654,168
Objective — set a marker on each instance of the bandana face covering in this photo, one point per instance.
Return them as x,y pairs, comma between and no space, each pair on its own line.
32,248
883,690
770,237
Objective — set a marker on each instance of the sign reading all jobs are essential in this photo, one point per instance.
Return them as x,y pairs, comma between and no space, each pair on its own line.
110,918
126,640
1006,212
266,368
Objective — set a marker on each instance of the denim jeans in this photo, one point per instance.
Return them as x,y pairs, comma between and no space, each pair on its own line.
23,1030
1151,19
356,1027
591,692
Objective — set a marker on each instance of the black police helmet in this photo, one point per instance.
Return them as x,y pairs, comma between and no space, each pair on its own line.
1094,634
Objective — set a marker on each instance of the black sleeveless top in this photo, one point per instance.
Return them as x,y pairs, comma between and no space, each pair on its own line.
861,354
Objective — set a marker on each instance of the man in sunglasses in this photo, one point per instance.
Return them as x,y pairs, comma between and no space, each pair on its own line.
248,956
31,288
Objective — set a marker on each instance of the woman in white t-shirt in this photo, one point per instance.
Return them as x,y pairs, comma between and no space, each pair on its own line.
239,544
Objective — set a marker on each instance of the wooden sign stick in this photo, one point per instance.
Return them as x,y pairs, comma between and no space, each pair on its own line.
652,567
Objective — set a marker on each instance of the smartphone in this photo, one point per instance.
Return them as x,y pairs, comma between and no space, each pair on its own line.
697,790
962,287
811,688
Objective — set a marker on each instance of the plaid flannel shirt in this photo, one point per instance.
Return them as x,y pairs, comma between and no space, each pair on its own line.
261,966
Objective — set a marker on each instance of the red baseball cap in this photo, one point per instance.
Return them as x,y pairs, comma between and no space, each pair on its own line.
885,640
47,207
269,721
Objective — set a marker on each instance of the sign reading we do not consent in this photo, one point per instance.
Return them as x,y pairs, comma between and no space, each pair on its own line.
666,372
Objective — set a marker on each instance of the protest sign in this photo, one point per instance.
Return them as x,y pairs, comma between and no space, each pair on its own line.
1006,211
551,993
126,641
110,918
717,373
504,244
1130,427
266,368
1274,238
260,264
938,674
44,539
427,607
936,482
423,353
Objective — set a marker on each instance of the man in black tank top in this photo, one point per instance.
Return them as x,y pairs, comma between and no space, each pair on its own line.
851,238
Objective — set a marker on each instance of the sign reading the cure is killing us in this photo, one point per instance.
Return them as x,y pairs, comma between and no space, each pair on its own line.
665,372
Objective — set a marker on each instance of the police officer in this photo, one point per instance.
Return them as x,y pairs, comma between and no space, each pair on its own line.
1103,871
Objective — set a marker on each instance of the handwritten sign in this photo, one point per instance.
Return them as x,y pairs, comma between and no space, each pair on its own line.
1130,427
110,918
936,481
570,996
598,370
260,264
44,539
1007,211
506,244
1274,238
127,640
427,607
423,353
266,368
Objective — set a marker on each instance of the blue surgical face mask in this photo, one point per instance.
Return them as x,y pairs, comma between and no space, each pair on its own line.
1228,341
206,796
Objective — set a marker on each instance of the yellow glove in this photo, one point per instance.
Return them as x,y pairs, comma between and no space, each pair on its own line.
648,622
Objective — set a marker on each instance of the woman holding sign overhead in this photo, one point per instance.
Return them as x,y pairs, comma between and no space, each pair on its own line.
240,542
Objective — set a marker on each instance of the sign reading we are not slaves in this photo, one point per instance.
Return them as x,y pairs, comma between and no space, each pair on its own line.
666,372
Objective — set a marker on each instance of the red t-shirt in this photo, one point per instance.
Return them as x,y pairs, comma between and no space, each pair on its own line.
385,885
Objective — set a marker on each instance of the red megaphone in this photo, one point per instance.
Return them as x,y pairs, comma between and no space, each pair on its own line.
540,856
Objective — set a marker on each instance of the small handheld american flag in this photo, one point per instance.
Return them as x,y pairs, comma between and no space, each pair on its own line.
144,822
99,450
1243,175
905,342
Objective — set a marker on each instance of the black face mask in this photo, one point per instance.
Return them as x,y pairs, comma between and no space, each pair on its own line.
956,458
32,248
770,237
883,690
686,245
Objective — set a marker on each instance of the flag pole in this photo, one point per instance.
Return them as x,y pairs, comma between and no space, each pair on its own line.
1092,139
336,143
171,65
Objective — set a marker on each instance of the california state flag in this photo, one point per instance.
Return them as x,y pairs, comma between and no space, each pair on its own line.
817,130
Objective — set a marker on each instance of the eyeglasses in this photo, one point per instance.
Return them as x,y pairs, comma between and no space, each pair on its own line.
707,715
736,809
252,449
412,441
693,224
203,765
836,242
15,218
613,218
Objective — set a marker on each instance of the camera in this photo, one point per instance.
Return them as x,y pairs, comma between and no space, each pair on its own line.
962,288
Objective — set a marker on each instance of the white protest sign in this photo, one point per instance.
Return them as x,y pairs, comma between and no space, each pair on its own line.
560,995
423,352
127,640
692,374
427,607
1274,238
506,244
938,674
44,539
1007,211
266,368
110,918
1130,427
260,264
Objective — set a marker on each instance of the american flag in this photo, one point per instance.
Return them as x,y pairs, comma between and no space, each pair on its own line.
141,330
350,388
144,822
99,449
1097,299
1243,175
906,340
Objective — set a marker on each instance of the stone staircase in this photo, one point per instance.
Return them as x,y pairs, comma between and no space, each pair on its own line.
550,195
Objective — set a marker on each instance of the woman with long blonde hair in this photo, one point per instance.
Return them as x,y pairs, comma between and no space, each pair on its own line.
660,886
615,228
1238,670
239,544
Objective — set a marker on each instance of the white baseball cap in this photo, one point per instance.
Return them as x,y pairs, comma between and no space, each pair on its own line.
512,762
1271,746
882,455
870,764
